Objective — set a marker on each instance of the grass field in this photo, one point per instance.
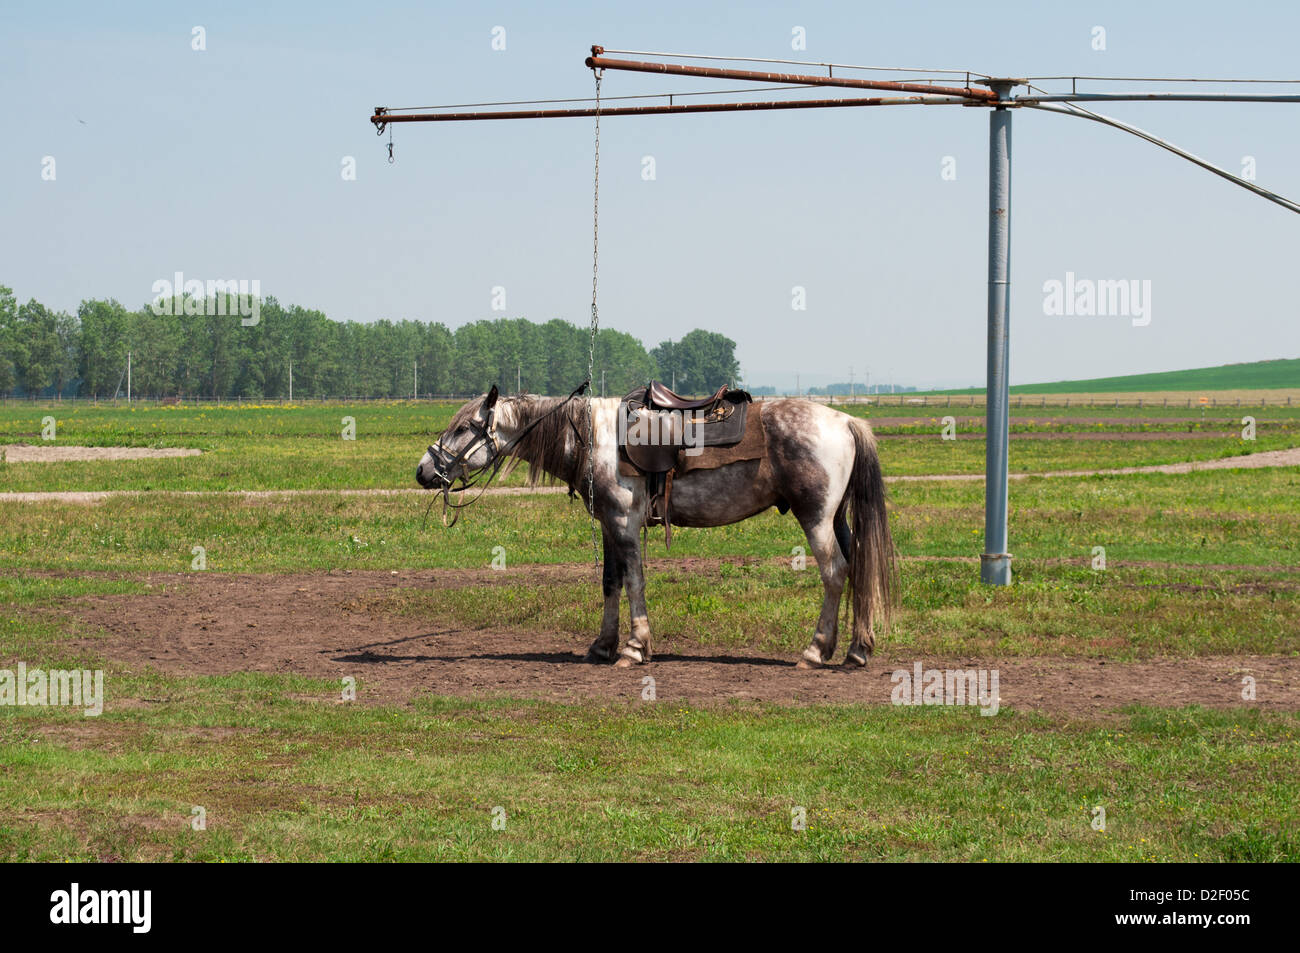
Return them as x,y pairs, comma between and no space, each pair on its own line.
1282,374
1203,571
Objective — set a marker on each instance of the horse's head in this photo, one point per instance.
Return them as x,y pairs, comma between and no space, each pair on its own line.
468,444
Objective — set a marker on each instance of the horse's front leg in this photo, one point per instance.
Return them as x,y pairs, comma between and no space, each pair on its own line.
637,649
603,649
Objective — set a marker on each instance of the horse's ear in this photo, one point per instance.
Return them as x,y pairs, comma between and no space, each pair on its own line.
490,400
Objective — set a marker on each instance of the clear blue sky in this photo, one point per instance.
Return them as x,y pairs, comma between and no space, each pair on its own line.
226,164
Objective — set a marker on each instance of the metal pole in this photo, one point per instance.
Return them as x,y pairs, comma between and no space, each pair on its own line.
128,377
995,563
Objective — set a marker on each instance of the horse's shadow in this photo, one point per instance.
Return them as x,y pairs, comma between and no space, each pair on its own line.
363,656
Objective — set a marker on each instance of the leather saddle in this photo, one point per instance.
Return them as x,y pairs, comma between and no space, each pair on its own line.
655,426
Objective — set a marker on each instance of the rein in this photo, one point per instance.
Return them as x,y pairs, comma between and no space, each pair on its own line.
500,454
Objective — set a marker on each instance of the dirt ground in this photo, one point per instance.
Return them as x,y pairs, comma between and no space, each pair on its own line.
318,624
61,453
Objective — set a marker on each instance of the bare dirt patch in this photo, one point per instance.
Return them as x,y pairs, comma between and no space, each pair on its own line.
323,625
63,453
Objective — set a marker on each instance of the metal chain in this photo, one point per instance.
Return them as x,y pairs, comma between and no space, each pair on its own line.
595,323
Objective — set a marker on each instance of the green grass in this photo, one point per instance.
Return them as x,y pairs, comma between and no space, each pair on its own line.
1254,375
302,446
286,779
1249,517
1200,564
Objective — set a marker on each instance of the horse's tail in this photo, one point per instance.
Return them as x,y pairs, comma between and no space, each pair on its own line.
871,559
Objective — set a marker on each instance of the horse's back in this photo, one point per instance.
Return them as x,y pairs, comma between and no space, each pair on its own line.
809,457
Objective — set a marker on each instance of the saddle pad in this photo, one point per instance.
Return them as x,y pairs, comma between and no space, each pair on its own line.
752,446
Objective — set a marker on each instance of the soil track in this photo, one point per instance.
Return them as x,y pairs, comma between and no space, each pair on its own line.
62,453
324,625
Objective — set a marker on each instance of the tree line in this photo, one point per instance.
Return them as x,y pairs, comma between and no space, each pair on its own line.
176,352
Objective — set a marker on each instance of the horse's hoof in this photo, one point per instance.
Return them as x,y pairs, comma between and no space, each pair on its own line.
597,658
855,661
630,656
807,665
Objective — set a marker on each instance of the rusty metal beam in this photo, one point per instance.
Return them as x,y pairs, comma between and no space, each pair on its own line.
596,61
381,118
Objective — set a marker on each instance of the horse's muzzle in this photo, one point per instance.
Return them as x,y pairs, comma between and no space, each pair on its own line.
430,477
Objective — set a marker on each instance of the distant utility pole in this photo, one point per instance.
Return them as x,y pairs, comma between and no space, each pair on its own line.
415,380
602,382
128,377
519,377
291,382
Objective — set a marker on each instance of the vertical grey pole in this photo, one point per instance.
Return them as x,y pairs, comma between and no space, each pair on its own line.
995,563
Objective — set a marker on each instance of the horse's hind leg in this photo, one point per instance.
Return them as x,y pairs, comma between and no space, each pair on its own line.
834,568
863,638
602,650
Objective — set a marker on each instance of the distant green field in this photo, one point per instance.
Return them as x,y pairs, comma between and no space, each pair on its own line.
1257,375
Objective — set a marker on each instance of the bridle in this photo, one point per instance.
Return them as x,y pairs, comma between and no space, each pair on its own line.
484,434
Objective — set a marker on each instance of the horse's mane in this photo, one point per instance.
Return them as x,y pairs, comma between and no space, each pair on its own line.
545,445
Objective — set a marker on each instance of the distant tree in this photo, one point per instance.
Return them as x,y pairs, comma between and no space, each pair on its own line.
191,347
702,360
8,320
624,361
37,347
102,347
476,367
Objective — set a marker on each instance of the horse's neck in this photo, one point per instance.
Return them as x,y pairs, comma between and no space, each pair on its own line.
537,446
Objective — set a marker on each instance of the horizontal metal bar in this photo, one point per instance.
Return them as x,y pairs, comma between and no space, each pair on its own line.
383,118
709,72
1159,97
764,59
592,99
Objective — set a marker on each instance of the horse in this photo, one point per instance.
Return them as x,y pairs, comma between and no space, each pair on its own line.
821,464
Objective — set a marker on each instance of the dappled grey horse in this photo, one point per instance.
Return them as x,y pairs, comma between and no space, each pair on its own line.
821,464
